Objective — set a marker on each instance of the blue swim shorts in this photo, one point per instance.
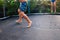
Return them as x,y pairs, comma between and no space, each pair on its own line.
53,0
23,6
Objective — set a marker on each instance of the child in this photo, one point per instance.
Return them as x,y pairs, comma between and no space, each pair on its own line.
21,11
53,6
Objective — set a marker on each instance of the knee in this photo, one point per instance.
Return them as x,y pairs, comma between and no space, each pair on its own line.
23,14
18,10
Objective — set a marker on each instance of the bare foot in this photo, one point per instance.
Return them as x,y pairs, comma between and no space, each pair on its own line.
29,24
18,21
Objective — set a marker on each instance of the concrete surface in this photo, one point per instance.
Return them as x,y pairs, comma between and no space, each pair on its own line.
44,27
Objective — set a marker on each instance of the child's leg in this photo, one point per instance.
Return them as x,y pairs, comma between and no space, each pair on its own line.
28,20
51,7
20,16
55,7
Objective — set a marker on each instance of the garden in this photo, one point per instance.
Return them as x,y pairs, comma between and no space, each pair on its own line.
9,7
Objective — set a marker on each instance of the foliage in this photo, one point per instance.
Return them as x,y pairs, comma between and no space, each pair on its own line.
35,6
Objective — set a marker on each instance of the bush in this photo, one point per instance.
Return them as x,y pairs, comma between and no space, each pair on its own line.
1,8
32,5
11,7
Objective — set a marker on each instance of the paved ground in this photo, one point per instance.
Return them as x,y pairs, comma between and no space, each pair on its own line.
44,27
